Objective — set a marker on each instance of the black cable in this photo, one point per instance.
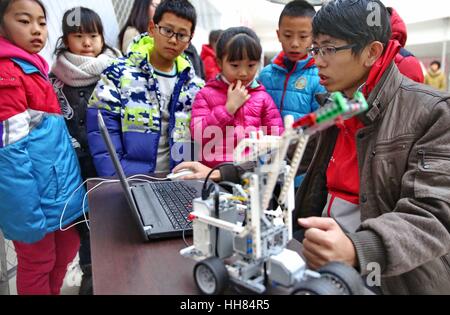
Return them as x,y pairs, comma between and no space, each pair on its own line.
230,184
205,194
216,210
266,276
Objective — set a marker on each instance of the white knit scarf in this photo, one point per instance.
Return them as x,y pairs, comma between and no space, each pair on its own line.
78,71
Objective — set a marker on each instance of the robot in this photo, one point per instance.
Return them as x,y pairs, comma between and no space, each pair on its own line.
242,236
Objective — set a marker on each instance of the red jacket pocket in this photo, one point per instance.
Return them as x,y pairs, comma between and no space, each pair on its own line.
7,81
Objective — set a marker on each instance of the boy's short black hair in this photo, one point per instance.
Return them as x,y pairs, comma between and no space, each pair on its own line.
238,43
435,62
181,8
297,8
359,22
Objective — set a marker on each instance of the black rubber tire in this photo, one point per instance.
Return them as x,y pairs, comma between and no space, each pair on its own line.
215,270
343,276
319,286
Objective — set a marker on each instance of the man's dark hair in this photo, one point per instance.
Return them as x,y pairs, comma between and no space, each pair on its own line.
354,22
214,36
435,62
181,8
297,8
238,43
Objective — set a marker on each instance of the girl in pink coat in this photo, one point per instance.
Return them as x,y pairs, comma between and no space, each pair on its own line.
228,108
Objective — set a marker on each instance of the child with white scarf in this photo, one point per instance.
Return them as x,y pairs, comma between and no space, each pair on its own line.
82,55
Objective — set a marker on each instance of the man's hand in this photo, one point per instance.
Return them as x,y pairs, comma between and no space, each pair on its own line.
326,242
200,171
237,96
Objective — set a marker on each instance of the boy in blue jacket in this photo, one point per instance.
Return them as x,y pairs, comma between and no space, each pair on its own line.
292,78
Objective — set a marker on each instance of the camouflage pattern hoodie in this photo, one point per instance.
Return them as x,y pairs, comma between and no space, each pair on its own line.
128,97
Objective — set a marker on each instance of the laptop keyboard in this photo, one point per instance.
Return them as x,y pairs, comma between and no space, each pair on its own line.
176,200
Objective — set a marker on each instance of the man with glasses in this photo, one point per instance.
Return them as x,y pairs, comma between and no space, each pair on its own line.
146,98
377,192
376,195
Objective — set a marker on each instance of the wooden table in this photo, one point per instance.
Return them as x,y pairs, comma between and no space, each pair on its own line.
122,263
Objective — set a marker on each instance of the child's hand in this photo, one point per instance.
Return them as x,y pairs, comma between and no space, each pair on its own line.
199,170
237,96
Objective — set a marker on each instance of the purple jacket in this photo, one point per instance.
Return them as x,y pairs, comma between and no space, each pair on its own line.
218,133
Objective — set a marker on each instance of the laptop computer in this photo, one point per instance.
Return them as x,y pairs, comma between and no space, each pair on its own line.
160,209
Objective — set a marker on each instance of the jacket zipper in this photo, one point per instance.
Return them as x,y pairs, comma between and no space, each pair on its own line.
423,154
422,159
444,259
285,86
404,142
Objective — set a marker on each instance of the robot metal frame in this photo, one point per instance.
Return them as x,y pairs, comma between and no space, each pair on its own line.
242,236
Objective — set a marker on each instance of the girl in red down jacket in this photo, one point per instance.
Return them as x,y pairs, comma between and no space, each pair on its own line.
39,171
228,108
209,57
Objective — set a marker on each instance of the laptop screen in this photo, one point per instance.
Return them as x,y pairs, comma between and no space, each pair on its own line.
117,166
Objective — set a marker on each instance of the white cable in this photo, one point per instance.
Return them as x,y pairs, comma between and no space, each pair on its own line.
150,177
65,206
102,181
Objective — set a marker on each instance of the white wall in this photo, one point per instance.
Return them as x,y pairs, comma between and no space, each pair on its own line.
262,16
414,11
208,18
55,12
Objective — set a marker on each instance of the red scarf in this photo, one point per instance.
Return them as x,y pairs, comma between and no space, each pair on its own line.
380,66
9,50
342,172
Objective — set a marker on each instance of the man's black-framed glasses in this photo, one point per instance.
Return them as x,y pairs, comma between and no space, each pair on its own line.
328,50
169,33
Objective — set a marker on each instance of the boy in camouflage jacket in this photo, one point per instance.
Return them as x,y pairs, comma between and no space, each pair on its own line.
146,97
